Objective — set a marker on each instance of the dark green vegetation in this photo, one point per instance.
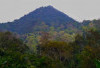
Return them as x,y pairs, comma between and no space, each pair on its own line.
83,52
47,38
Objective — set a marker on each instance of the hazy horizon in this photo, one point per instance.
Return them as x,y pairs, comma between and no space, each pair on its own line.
79,9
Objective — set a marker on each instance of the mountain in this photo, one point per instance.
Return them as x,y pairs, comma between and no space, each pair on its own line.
92,24
42,19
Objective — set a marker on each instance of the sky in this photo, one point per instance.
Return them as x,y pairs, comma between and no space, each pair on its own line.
78,9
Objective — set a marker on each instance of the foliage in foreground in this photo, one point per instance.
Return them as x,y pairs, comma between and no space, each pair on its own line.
83,52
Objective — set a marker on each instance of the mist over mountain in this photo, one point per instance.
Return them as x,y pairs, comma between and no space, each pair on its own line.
42,19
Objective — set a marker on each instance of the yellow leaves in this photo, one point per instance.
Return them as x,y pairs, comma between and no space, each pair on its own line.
56,50
90,49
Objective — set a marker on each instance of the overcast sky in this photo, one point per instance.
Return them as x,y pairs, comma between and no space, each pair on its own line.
77,9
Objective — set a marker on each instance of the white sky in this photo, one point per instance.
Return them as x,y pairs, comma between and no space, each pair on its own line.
77,9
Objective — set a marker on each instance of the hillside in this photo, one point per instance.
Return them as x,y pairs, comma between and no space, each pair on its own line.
94,24
42,19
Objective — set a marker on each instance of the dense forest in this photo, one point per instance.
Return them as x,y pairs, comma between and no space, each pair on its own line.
74,51
47,38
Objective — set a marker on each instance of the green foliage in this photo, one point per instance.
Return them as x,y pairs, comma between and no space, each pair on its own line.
32,42
13,54
50,50
97,62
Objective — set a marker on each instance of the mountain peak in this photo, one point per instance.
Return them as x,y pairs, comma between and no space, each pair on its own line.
45,8
48,14
49,6
33,21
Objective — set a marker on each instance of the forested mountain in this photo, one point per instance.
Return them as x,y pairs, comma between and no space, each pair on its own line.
48,38
42,19
88,24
